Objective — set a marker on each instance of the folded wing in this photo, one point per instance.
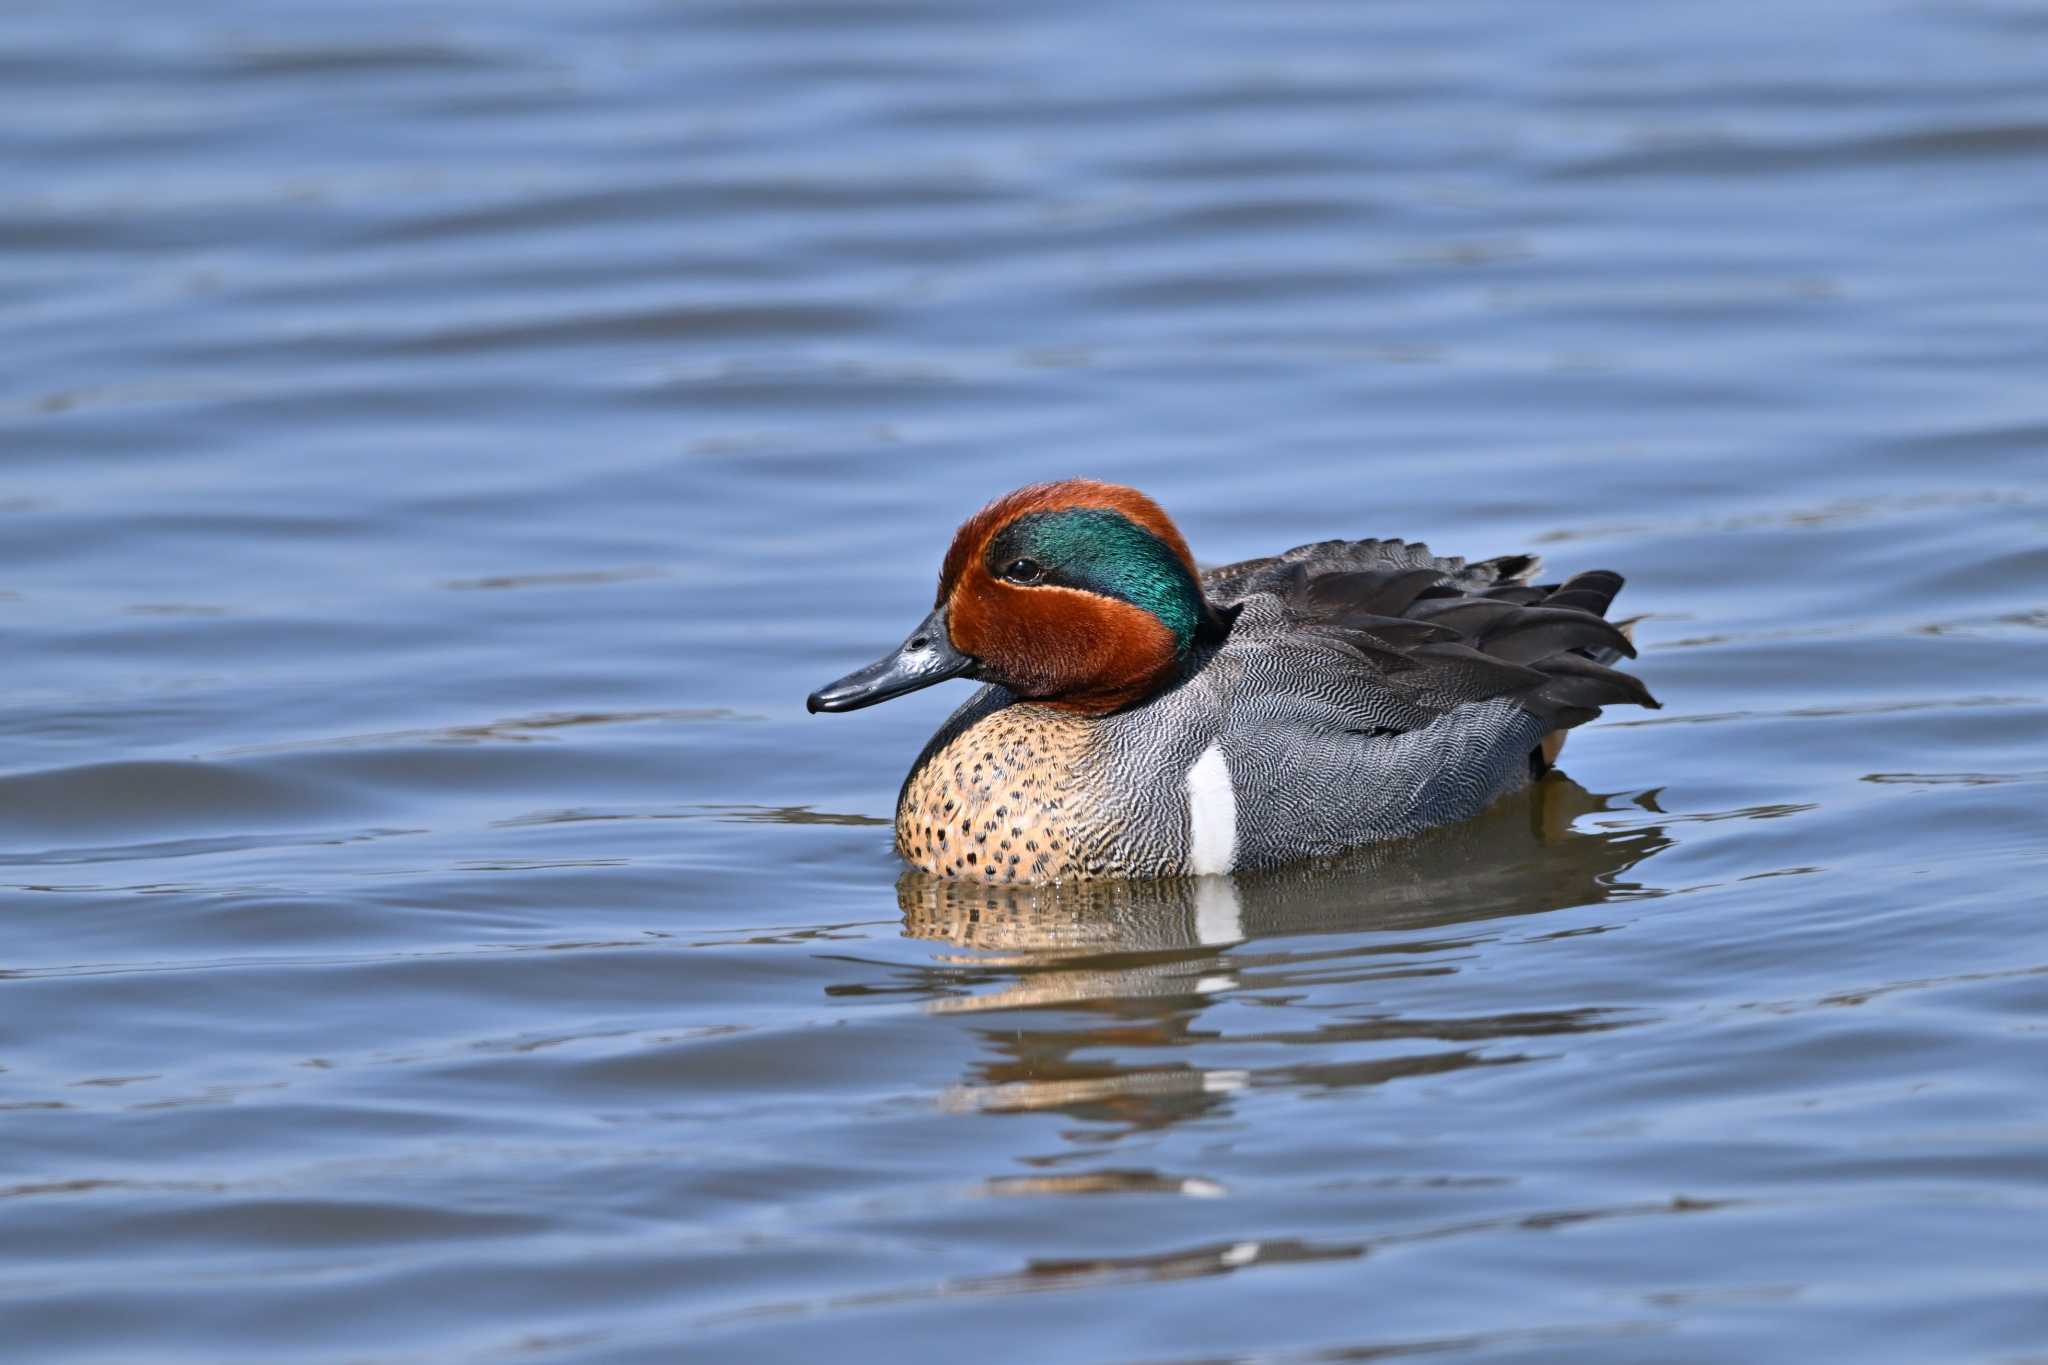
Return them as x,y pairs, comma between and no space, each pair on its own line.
1436,633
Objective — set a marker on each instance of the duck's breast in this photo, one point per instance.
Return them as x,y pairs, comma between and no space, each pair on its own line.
1008,791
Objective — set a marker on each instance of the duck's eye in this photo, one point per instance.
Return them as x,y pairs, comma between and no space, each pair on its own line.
1023,571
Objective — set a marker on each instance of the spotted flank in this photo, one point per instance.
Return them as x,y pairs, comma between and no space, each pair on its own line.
1141,718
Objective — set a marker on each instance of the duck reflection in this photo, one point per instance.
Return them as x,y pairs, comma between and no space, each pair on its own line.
1148,958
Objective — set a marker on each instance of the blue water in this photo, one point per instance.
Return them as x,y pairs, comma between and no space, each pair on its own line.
440,448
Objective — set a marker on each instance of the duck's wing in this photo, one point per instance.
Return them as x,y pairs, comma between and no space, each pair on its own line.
1420,635
1229,583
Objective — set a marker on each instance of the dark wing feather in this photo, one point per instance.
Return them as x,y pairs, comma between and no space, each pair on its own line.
1442,633
1230,583
1531,634
1576,680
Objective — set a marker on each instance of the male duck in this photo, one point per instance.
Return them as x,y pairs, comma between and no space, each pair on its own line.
1146,719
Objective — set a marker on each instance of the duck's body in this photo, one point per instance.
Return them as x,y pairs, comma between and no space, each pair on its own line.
1145,720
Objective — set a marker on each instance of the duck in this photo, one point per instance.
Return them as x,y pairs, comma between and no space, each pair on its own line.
1143,718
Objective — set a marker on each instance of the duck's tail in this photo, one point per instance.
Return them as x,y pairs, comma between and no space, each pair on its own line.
1592,591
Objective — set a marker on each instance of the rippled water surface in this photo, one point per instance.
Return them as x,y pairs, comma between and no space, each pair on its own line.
441,445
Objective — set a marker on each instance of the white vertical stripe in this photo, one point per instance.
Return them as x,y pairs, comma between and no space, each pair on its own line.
1212,815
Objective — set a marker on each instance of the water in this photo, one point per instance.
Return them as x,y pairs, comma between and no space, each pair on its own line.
439,449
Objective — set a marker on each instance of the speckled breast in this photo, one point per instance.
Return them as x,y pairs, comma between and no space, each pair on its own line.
1008,798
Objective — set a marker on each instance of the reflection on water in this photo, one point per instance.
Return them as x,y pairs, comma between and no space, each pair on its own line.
1200,1262
1147,957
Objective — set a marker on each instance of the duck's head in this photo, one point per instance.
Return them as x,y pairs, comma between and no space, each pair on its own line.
1077,594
